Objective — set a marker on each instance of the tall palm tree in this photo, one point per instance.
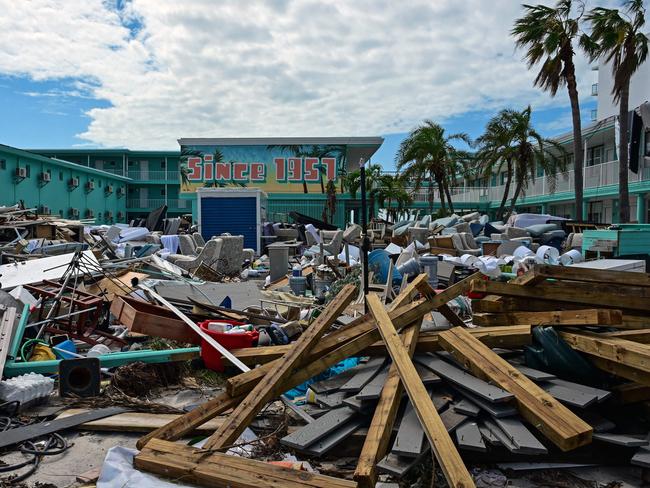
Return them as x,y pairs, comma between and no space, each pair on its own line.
352,183
391,189
530,150
427,156
496,152
549,33
618,38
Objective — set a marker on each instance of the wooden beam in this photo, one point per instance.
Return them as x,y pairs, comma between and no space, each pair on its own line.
190,421
641,336
628,393
625,278
402,317
621,351
443,447
633,298
222,470
543,411
263,392
375,446
606,317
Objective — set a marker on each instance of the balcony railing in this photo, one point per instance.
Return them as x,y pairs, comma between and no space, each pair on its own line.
154,175
179,203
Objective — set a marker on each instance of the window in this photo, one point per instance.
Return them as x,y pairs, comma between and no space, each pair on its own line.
99,183
610,155
3,163
594,155
647,144
570,159
162,164
28,170
540,170
494,180
503,178
60,175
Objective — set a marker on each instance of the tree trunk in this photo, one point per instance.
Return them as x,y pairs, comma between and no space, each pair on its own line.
578,150
514,200
448,193
441,192
623,190
506,190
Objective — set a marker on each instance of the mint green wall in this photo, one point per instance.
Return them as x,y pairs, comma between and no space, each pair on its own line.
57,194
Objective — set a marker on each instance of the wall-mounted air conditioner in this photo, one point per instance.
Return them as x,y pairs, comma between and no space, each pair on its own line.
46,177
73,182
21,172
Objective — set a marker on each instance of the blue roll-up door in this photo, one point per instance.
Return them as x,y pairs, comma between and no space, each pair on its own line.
237,216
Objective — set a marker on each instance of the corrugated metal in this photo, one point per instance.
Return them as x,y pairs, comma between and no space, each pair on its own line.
237,216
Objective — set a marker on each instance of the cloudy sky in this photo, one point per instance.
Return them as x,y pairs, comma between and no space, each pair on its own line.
142,73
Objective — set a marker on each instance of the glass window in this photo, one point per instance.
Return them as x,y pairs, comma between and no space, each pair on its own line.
540,171
610,154
3,164
594,155
647,143
28,170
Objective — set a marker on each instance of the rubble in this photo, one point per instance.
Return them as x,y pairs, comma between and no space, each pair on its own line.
485,345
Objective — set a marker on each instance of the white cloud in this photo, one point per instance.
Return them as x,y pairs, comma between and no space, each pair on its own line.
271,68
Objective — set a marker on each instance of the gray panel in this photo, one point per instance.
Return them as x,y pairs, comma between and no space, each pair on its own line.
330,441
459,377
469,437
466,407
574,398
601,394
495,409
332,400
333,383
621,440
372,390
364,373
533,374
519,434
319,428
410,438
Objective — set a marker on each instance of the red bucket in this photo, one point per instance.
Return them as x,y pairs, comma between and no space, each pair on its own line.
212,357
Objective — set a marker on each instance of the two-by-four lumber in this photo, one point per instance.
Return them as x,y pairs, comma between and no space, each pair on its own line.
632,298
608,277
376,443
402,317
605,317
263,392
553,419
225,471
447,455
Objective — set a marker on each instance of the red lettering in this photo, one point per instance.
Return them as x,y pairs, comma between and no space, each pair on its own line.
240,171
294,170
311,169
222,171
196,170
330,167
280,169
257,171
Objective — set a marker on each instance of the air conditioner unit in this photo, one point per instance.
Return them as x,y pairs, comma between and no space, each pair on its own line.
90,214
73,182
21,172
90,186
120,192
46,177
108,215
74,212
108,189
120,216
44,210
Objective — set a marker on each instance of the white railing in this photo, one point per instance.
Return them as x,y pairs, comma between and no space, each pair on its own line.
180,203
154,175
458,194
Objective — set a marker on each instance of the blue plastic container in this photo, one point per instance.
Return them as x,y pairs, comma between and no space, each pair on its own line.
379,262
66,345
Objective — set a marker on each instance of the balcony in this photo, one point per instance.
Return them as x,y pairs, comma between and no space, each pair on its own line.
151,203
155,176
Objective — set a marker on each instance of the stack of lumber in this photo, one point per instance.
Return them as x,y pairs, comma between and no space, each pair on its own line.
463,391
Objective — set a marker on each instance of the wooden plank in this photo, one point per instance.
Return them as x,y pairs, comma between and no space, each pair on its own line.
402,317
633,298
443,447
461,378
263,392
605,317
623,352
539,408
624,278
641,336
469,437
628,393
221,470
187,423
136,422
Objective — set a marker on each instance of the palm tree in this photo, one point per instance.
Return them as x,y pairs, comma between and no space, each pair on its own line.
496,151
352,182
427,156
549,33
391,189
618,38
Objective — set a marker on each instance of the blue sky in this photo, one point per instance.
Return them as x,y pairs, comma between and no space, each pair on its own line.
142,73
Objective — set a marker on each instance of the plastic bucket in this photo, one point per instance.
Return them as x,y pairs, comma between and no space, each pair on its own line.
571,257
548,254
212,357
379,263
